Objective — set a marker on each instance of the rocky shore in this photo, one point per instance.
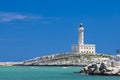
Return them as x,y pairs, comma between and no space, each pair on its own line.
101,69
67,59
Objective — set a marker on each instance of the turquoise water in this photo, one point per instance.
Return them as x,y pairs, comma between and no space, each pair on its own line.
47,73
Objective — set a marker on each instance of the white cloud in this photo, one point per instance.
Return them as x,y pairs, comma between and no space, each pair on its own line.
8,17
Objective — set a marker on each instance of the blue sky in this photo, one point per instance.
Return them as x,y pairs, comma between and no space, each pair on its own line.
31,28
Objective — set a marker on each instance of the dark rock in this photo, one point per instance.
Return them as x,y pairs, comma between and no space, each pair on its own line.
100,69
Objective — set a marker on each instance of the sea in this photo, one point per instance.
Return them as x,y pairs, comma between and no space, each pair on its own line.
47,73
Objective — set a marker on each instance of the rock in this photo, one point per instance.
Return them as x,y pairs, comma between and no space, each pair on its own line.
118,74
102,72
109,69
90,71
93,69
107,73
101,69
85,68
115,71
97,71
102,66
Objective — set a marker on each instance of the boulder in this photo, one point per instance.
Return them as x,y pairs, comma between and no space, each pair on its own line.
97,71
115,71
118,74
101,69
102,66
90,71
107,73
102,72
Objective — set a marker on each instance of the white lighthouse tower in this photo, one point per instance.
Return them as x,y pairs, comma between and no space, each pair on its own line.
82,48
81,35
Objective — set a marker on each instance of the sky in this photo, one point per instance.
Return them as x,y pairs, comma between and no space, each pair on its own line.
32,28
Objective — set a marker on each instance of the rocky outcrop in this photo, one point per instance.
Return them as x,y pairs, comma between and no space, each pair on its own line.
100,69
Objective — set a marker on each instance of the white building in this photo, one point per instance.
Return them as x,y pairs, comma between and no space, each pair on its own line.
82,48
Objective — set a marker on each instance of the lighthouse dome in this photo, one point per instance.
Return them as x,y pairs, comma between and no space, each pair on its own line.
81,26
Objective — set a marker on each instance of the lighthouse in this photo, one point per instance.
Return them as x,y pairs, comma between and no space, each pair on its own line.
81,47
81,34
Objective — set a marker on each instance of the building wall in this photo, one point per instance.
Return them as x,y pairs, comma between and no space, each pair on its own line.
75,49
83,49
87,49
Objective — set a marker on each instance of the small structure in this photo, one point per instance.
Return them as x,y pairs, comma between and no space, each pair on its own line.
82,48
